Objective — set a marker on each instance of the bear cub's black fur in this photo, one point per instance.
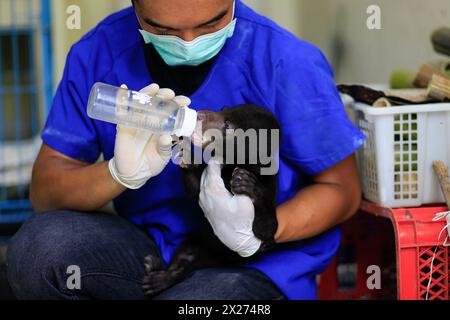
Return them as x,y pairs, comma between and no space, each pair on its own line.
205,250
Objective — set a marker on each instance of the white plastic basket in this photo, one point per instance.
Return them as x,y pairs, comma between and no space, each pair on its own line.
396,161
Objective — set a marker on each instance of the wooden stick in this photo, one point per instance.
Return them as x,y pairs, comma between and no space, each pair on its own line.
425,74
439,88
441,171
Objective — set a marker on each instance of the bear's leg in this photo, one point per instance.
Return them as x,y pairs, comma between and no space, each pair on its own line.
244,182
185,260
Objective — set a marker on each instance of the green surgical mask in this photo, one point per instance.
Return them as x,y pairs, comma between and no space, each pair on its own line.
176,52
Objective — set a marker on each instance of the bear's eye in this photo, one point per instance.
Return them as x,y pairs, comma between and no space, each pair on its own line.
227,126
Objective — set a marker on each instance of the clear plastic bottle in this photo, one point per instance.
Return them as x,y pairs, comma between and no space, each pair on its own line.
138,110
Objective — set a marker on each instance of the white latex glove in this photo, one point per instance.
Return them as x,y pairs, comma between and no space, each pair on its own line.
140,155
231,216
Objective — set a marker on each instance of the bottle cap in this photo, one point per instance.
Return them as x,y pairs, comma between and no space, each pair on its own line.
189,123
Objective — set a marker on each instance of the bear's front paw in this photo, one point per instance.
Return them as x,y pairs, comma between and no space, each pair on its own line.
244,182
152,264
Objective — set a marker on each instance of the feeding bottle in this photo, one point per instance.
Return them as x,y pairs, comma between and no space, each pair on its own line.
139,110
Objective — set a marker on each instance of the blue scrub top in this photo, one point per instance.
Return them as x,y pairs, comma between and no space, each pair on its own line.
261,64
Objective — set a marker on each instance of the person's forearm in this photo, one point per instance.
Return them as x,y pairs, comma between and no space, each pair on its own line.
73,187
314,210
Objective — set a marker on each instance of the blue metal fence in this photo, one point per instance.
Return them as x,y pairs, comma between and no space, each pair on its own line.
25,96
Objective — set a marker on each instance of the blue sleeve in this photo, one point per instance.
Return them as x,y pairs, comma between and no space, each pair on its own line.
68,129
316,132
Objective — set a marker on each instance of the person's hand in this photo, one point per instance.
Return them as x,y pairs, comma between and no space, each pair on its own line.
231,216
140,155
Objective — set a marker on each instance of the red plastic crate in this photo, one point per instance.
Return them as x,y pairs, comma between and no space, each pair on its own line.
346,278
411,236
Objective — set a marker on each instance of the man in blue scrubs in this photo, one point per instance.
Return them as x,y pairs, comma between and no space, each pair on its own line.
237,57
